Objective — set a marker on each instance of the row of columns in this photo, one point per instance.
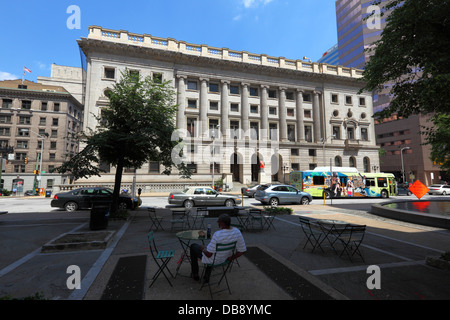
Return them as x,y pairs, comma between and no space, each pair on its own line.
245,109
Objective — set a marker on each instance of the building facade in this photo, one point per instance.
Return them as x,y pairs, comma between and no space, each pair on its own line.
36,119
246,118
400,139
331,56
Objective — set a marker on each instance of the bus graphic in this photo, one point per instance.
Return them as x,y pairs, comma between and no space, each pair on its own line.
341,182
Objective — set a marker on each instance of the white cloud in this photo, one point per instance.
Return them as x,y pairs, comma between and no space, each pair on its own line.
254,3
7,76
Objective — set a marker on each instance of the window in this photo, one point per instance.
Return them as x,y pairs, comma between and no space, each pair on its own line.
54,134
312,166
350,133
213,105
192,167
289,95
53,145
366,164
153,167
273,131
56,106
7,103
312,152
336,132
273,111
191,124
295,166
318,180
134,74
21,144
352,162
337,161
18,168
192,85
234,129
307,114
22,132
234,89
308,134
334,98
213,87
362,102
290,112
157,78
24,120
213,123
216,168
234,107
44,106
42,121
110,73
21,156
364,135
54,121
192,103
291,132
5,119
307,97
26,104
254,131
348,99
294,152
52,156
254,108
272,93
254,92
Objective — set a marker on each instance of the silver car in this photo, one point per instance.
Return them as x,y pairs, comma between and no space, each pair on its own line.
202,196
439,189
281,194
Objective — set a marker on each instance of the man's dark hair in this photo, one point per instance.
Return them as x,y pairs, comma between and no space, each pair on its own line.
225,218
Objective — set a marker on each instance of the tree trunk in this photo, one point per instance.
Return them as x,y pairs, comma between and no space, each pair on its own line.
117,183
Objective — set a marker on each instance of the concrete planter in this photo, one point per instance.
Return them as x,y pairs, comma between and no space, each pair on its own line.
438,262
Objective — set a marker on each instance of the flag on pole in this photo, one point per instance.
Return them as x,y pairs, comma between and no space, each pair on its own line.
26,69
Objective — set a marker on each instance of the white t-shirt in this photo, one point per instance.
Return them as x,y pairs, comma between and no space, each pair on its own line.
224,236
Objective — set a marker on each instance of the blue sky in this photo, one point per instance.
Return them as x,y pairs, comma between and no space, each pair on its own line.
35,33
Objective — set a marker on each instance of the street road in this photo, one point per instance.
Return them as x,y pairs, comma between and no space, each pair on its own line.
39,204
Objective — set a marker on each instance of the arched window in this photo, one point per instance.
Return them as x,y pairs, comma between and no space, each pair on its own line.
352,162
366,163
337,161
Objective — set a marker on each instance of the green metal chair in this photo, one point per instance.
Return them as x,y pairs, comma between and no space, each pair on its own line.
224,266
161,258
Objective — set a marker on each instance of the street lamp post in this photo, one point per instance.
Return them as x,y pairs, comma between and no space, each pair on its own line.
323,146
41,155
213,153
403,168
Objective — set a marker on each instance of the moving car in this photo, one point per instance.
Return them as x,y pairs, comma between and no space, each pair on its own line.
250,191
403,191
202,196
282,194
439,189
84,198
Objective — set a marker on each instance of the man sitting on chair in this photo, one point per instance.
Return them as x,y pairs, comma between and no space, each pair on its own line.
226,234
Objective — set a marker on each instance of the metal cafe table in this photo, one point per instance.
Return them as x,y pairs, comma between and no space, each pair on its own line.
185,238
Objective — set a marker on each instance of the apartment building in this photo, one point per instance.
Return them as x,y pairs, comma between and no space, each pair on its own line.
36,119
246,117
400,139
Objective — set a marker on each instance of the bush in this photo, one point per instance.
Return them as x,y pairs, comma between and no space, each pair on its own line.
5,192
278,210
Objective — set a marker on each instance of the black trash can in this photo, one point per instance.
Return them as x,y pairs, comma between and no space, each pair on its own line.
99,217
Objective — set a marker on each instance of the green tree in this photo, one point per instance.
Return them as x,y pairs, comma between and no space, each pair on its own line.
411,62
137,127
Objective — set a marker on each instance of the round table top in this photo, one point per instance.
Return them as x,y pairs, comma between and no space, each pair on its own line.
192,235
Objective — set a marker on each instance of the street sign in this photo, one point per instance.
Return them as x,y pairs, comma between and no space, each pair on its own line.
419,189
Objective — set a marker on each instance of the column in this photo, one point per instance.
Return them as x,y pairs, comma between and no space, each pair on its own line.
181,101
264,130
282,110
316,116
300,115
203,121
224,108
245,108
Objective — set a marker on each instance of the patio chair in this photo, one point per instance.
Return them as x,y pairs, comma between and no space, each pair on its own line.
161,258
154,219
255,216
351,238
224,267
178,218
313,233
198,218
268,220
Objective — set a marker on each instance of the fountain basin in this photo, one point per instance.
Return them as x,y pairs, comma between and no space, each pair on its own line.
433,213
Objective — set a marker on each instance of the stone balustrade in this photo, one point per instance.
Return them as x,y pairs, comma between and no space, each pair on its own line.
125,37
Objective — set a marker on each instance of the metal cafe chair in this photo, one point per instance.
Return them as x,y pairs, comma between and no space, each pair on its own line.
351,239
224,266
313,233
161,258
155,220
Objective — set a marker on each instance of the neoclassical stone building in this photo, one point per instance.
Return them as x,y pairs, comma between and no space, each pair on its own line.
258,117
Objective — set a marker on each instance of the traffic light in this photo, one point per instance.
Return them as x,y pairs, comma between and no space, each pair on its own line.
36,171
25,160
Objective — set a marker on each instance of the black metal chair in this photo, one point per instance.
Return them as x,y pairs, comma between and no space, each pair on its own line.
161,258
155,220
313,233
351,239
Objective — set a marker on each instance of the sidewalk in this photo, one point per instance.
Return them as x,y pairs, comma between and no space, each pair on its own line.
276,266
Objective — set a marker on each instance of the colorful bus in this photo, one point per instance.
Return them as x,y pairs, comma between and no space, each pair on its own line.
340,182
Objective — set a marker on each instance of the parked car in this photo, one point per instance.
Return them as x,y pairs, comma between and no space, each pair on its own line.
202,196
84,198
29,193
403,191
439,189
282,194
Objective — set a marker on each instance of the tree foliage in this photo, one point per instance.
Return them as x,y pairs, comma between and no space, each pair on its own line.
135,128
411,62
